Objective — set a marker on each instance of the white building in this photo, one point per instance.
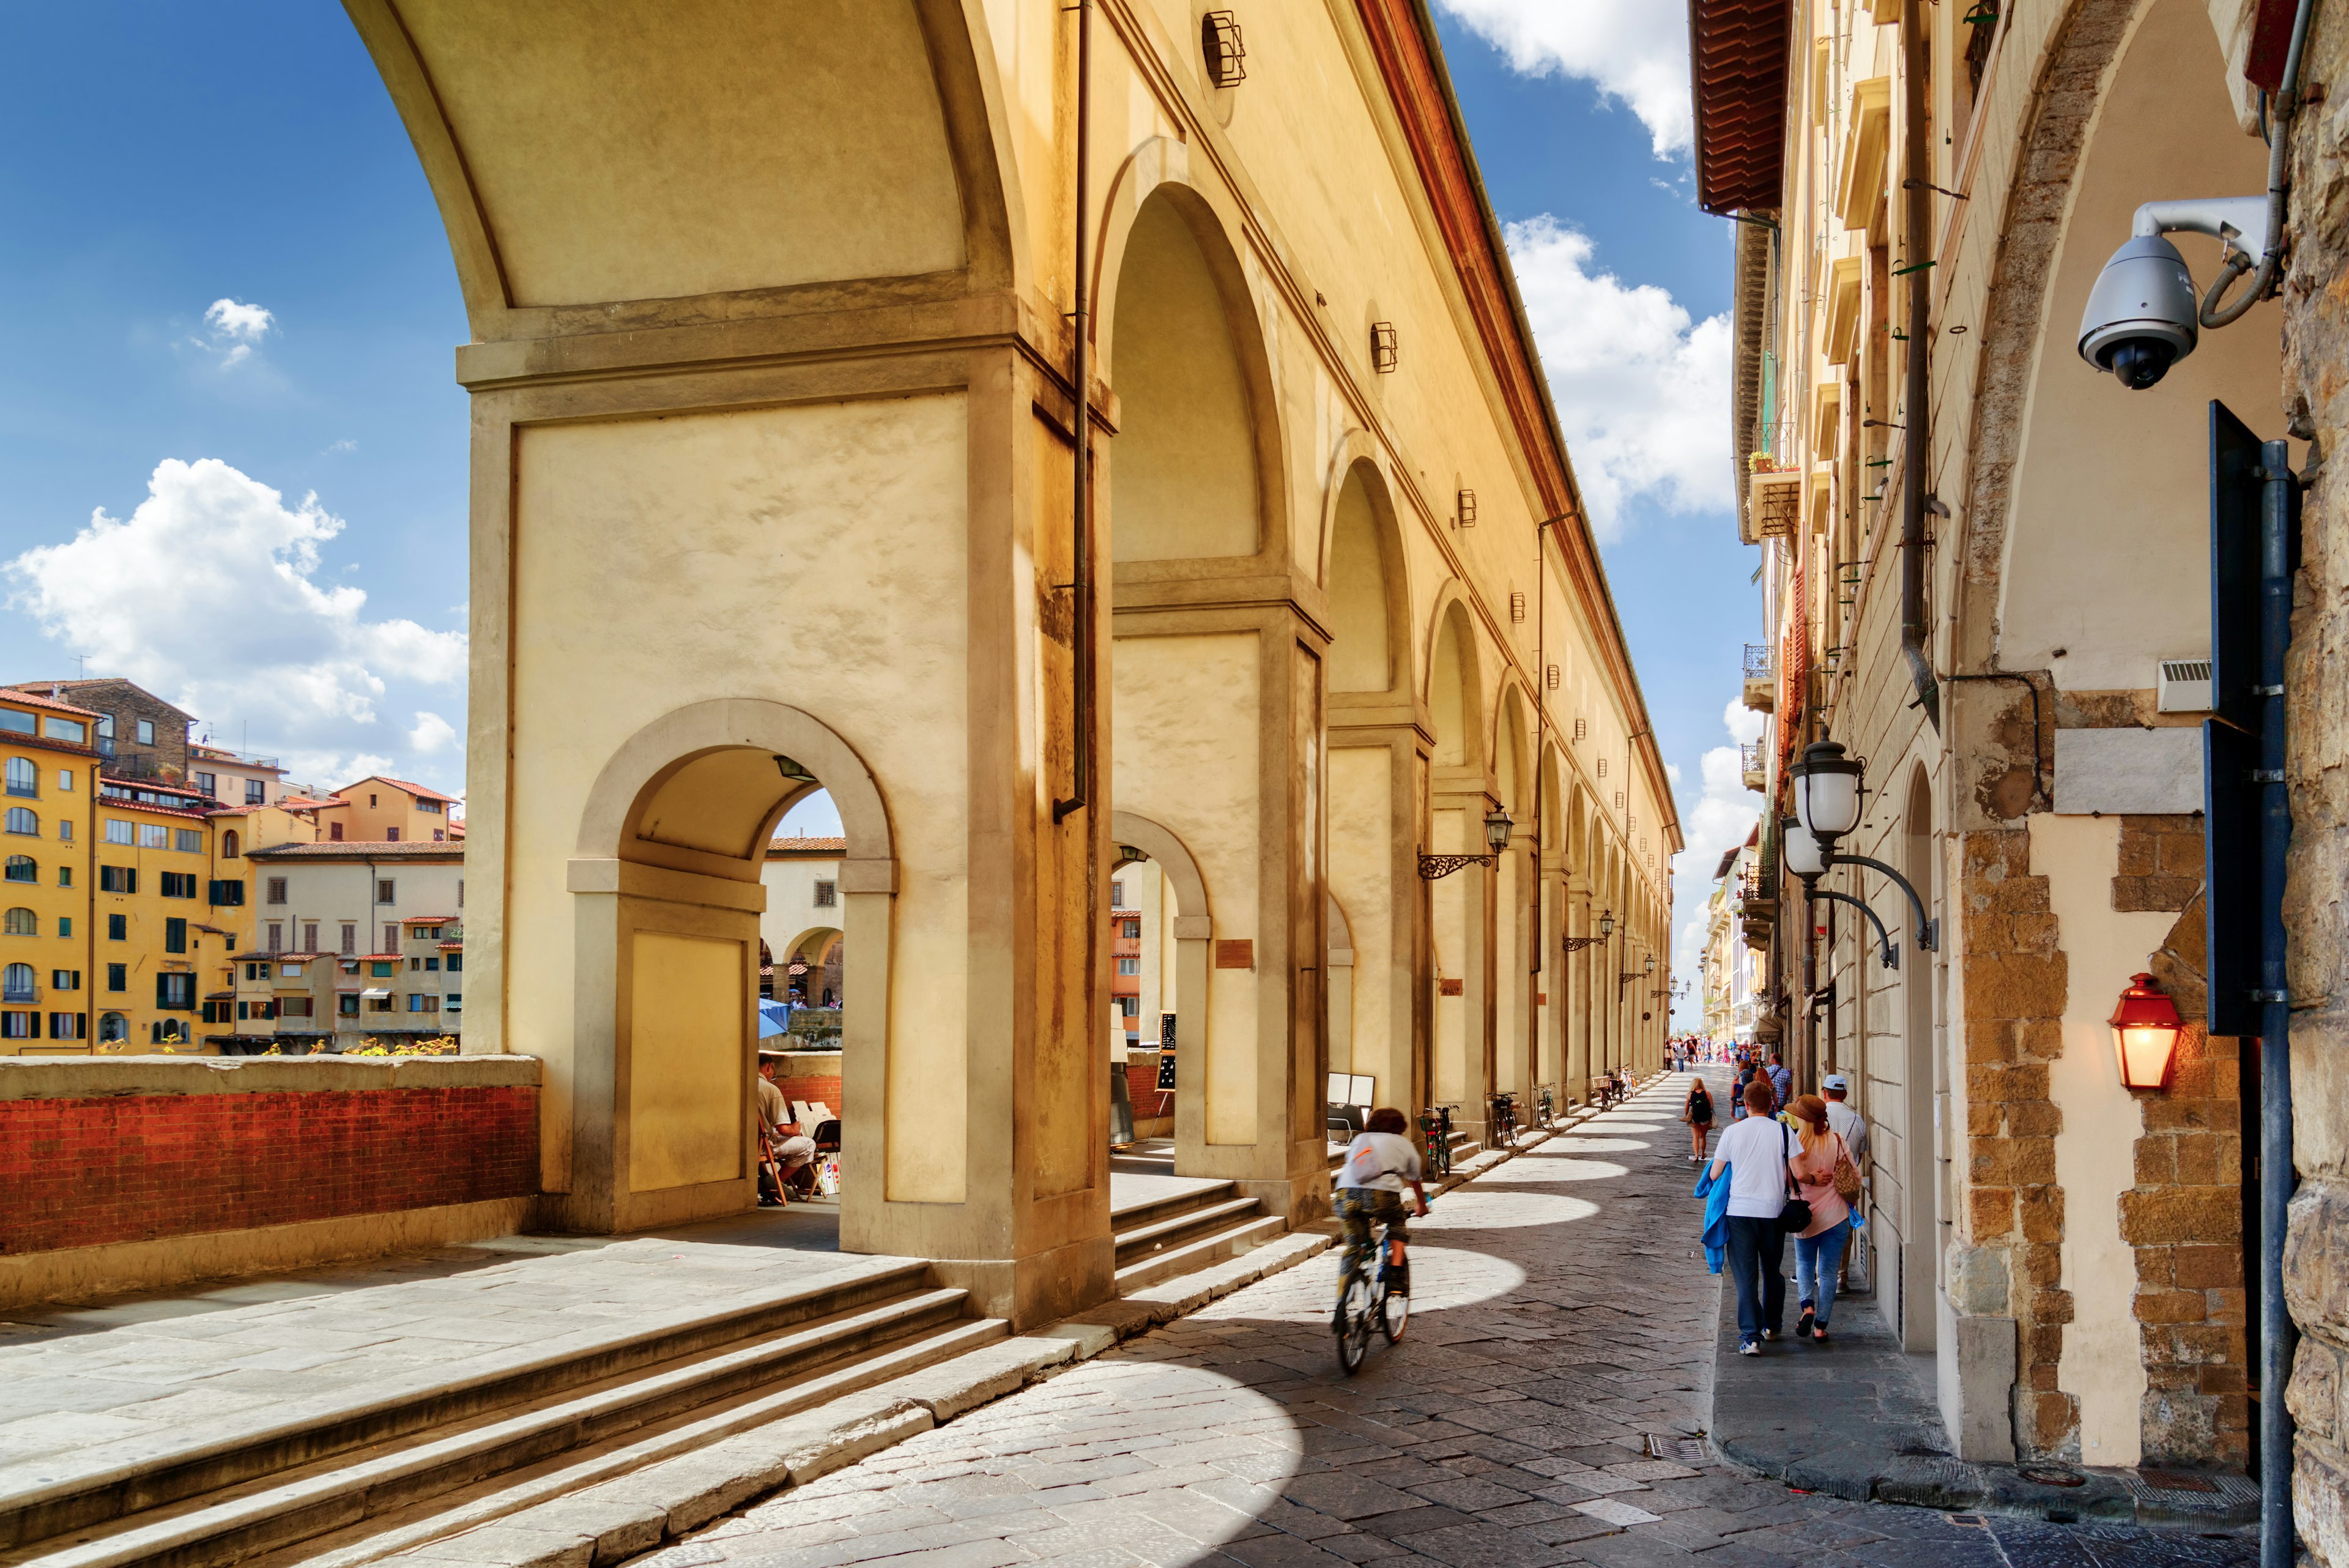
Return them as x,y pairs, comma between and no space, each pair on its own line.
801,923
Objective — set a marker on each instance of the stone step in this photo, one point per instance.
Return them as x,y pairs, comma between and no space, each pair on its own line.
1150,1211
1235,1239
1143,1241
417,1471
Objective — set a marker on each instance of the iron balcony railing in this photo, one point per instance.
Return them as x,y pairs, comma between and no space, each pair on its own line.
1757,661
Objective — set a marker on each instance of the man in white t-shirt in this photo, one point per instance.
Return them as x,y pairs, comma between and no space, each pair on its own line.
1379,1163
1754,1152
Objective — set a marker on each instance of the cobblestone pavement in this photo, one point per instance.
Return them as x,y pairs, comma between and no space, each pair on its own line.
1544,1408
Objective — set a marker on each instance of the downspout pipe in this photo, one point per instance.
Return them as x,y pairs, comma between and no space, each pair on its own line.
1915,154
1082,742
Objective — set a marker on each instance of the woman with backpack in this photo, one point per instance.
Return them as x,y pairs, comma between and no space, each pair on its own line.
1698,1113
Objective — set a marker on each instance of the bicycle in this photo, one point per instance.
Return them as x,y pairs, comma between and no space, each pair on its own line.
1436,1130
1544,1109
1380,1301
1504,1120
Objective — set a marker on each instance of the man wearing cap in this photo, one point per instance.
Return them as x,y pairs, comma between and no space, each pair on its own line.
1842,1120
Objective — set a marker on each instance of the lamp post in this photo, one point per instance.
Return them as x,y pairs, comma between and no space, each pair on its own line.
1497,824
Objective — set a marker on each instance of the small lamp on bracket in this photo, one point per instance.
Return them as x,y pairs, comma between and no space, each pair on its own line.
2146,1027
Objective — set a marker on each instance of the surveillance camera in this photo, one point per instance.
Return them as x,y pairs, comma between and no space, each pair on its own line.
2143,314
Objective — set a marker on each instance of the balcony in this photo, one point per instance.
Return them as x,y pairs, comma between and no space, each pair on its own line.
1753,761
20,995
1761,679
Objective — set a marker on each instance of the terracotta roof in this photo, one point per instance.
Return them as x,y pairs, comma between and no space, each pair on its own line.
427,919
1737,58
41,699
361,849
416,789
455,948
117,803
79,684
808,846
306,802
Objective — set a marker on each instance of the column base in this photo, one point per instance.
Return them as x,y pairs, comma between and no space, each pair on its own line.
1037,1289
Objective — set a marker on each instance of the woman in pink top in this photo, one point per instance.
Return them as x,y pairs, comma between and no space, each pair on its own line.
1818,1251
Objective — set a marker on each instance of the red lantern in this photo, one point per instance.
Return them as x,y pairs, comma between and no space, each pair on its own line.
2144,1035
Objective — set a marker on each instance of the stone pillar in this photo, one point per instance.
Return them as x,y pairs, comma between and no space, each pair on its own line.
1376,753
1466,922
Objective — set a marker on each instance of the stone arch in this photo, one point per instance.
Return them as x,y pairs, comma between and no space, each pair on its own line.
1455,687
1365,571
735,151
1196,469
665,885
1196,1027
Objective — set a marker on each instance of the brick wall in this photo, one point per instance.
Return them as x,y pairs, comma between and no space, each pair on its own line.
811,1089
90,1169
1142,1085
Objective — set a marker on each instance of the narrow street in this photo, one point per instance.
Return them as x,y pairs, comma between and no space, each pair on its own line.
1545,1408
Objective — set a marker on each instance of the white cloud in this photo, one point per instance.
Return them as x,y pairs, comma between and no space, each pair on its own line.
208,595
347,444
1641,391
243,323
1635,52
432,734
1743,724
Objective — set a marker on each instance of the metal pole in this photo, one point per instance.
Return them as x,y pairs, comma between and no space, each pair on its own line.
2276,1175
1081,783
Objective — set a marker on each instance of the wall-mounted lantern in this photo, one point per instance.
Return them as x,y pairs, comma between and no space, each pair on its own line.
2144,1035
1827,792
1606,930
1467,498
1517,606
1219,43
1498,825
793,771
1386,352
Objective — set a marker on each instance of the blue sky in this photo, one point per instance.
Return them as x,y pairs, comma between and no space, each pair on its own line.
234,316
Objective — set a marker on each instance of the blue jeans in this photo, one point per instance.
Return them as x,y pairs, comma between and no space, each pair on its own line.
1757,1265
1817,1259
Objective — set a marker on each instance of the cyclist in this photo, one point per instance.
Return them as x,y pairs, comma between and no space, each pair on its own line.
1379,1162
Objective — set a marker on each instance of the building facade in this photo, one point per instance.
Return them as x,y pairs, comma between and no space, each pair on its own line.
1987,570
51,764
140,735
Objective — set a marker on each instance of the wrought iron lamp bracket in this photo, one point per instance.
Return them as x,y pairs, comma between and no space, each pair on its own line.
1432,866
1929,932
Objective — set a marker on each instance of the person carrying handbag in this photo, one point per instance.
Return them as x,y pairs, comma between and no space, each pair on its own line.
1827,1179
1756,1152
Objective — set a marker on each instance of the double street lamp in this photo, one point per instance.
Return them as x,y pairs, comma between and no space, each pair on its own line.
1826,789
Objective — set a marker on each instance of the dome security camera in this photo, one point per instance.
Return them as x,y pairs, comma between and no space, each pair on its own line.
2142,313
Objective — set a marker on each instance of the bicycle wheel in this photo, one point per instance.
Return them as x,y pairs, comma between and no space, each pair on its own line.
1394,1304
1354,1338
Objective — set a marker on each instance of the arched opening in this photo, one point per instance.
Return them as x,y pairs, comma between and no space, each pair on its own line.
1463,1003
1363,583
1176,1027
1185,469
1515,884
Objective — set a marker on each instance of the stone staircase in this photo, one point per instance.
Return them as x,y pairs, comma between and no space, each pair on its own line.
1161,1237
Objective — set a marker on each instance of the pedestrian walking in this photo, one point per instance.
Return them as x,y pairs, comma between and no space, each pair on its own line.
1782,1081
1827,1176
1757,1154
1737,1099
1846,1123
1697,1111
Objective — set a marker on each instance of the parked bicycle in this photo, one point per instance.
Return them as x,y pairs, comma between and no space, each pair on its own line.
1371,1299
1436,1130
1504,1120
1545,1108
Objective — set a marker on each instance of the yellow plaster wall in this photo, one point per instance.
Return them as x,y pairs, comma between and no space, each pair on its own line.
685,1086
724,144
1184,734
2096,1157
762,525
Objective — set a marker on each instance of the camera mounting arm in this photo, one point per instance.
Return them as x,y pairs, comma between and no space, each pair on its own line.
2239,221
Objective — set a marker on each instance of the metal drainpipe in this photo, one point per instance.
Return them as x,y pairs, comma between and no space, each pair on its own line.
2276,1173
1914,416
1082,742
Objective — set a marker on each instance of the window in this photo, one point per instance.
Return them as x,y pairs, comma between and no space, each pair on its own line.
229,845
418,1002
65,980
309,936
1129,966
417,964
391,835
381,967
154,836
23,868
431,963
24,778
1116,894
276,937
118,879
226,890
432,805
24,819
117,978
72,730
370,801
113,1026
65,876
20,1025
256,792
179,883
118,927
65,925
453,962
827,894
65,781
1134,929
208,783
1129,1006
390,939
19,723
187,840
68,1025
335,831
454,1002
293,1006
387,892
17,983
22,923
175,934
119,831
347,1005
65,829
176,991
146,732
256,971
379,1003
277,889
350,937
439,837
289,971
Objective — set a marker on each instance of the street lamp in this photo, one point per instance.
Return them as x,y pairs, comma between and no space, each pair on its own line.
1827,792
1606,930
1497,824
2144,1035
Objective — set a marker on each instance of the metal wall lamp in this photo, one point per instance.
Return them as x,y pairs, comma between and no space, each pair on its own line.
1606,930
1625,978
1498,825
1827,787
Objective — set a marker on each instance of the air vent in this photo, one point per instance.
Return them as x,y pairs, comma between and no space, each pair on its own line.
2185,686
1219,42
